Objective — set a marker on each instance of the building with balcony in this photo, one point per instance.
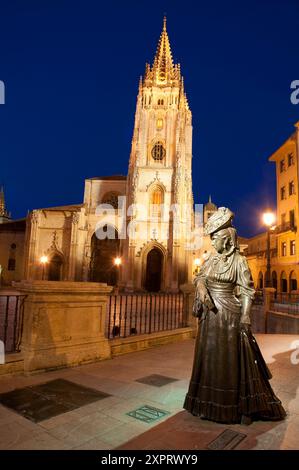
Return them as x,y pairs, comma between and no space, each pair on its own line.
284,238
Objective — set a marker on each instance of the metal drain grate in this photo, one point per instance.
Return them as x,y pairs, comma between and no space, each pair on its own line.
44,401
148,414
227,440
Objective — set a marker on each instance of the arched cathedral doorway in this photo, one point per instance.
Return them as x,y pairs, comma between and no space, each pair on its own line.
154,267
103,253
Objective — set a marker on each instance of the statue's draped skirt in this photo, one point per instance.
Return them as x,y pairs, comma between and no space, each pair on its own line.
229,377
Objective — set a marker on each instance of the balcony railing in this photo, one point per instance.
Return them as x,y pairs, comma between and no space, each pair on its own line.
285,227
263,253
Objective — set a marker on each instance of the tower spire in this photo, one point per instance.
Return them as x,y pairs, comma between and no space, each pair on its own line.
4,215
2,202
164,23
163,67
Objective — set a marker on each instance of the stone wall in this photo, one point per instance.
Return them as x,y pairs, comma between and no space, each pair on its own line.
63,324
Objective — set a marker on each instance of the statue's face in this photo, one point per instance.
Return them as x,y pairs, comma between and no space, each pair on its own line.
219,241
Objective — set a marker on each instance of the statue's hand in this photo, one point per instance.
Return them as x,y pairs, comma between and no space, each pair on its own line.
197,307
208,301
246,327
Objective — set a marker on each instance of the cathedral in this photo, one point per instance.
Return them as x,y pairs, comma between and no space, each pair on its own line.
131,231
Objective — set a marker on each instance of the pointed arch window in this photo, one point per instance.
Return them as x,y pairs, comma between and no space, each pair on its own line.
156,201
158,151
12,257
159,123
111,198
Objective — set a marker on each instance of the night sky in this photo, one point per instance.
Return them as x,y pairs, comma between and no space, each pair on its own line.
71,71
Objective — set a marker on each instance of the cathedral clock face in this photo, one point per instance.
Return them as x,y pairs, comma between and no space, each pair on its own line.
158,151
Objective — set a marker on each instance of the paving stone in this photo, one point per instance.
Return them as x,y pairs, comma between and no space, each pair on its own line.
43,401
156,380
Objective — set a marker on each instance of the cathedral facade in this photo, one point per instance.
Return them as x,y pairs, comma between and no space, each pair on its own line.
131,231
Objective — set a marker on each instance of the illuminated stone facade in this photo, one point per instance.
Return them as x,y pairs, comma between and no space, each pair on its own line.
160,173
284,238
152,256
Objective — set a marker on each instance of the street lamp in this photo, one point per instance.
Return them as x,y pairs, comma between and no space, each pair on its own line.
117,263
44,260
268,219
197,263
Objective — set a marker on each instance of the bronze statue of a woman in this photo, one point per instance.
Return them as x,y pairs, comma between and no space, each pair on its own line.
230,379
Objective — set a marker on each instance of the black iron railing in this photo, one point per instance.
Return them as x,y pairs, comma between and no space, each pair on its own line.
286,227
137,314
11,321
285,303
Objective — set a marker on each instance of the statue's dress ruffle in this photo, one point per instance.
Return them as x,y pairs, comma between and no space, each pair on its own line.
230,377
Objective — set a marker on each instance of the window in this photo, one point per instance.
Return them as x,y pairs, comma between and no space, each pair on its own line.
293,281
283,219
158,151
290,159
292,218
12,258
11,264
156,201
292,247
159,123
160,102
283,193
291,188
284,249
282,167
111,198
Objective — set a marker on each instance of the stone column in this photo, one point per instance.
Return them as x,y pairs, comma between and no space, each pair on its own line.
130,272
175,267
64,323
188,292
73,247
29,264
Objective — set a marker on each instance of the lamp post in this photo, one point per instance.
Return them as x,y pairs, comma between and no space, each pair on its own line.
268,219
44,260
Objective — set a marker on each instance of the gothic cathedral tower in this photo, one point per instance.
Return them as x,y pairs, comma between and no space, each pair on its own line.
159,181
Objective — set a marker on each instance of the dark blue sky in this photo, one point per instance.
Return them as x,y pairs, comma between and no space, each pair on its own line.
71,70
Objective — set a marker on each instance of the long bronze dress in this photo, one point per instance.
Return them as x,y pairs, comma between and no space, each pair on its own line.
230,378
